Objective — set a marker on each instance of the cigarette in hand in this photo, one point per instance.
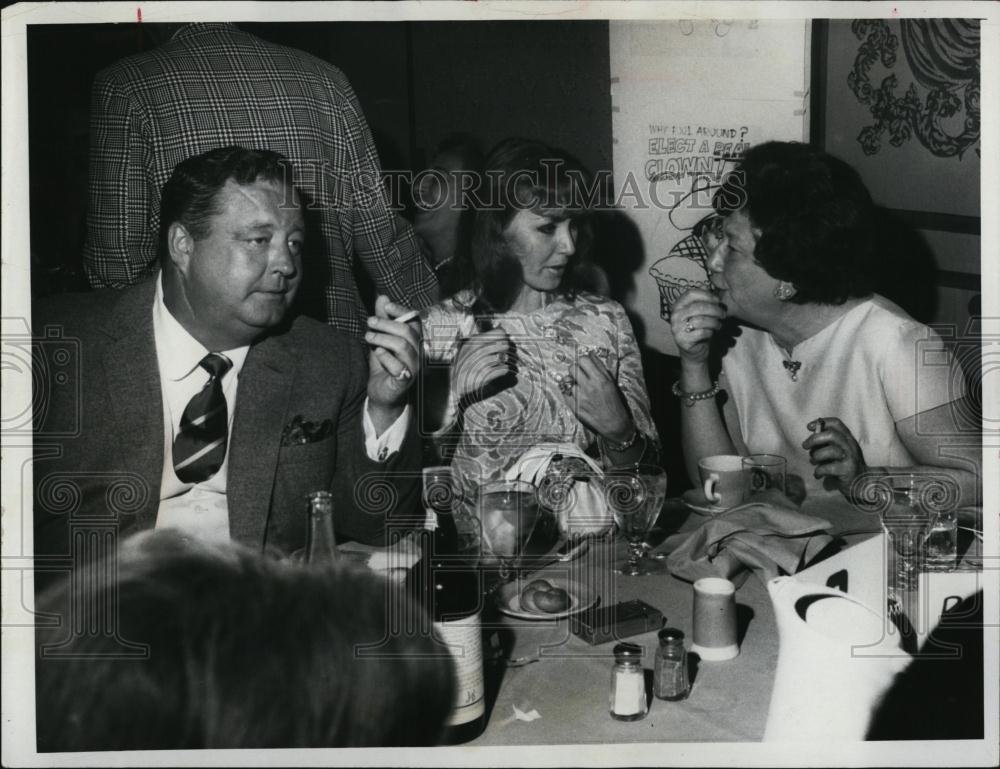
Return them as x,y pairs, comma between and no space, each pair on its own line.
406,317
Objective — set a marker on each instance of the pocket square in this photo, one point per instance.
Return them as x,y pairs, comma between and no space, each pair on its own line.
299,432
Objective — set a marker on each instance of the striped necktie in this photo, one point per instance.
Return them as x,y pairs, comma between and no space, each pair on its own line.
200,445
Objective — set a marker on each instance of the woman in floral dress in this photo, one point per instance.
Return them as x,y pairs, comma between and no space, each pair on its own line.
530,356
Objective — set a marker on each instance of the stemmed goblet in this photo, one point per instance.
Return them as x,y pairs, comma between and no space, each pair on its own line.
635,494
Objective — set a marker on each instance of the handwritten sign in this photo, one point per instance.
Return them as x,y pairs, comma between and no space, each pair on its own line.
689,99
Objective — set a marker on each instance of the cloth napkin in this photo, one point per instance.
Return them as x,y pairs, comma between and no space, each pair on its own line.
585,509
769,537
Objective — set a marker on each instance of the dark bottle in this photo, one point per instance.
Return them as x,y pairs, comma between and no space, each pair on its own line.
448,586
321,546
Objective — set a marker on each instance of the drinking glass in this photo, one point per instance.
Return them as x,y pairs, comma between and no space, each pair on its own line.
908,506
508,512
763,472
635,494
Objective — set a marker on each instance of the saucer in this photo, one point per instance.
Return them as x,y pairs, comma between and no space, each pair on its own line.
694,499
509,598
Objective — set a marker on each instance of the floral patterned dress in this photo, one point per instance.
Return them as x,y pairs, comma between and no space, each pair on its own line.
498,429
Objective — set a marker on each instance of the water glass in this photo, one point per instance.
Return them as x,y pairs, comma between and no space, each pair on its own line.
763,472
942,542
508,512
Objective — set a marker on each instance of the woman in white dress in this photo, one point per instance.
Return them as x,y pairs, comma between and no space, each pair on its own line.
835,378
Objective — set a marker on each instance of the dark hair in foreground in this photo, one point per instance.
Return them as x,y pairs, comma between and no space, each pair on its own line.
244,652
522,175
816,216
190,195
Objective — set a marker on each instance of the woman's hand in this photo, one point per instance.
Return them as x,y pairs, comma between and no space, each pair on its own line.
482,359
597,401
694,319
835,452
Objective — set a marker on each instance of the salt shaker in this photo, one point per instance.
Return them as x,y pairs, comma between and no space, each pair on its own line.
628,684
670,670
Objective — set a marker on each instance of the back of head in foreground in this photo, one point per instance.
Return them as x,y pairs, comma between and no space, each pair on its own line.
243,652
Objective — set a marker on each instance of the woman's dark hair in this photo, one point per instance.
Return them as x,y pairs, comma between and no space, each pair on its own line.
218,646
816,219
521,174
191,194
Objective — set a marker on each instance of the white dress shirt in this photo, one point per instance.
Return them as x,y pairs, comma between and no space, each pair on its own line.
201,508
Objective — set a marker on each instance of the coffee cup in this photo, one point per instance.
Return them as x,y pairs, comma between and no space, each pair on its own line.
723,481
714,638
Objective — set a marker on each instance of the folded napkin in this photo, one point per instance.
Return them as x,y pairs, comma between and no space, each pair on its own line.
769,537
392,561
578,501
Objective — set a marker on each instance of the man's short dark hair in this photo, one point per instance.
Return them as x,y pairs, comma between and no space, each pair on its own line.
190,196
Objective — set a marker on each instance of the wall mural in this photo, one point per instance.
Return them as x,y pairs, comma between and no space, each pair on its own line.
943,56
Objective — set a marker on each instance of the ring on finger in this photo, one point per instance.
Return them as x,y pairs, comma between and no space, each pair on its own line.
566,384
688,325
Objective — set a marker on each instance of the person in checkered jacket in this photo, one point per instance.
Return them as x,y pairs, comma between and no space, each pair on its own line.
213,85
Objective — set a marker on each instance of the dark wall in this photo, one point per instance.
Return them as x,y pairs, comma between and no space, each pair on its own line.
545,80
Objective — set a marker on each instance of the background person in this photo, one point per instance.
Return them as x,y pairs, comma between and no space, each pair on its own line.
836,379
444,205
211,86
531,357
242,651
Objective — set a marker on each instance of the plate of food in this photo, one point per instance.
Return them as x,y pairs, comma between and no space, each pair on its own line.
695,499
544,598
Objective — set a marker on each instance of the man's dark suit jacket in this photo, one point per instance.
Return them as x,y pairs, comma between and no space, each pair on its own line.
99,429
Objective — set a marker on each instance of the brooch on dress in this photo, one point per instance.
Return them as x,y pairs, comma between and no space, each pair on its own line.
792,367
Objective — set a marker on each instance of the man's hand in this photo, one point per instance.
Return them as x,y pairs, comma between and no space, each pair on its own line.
394,363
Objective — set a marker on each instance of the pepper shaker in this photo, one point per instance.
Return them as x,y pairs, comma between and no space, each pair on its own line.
670,670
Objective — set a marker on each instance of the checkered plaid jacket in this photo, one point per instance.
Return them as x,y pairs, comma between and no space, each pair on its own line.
214,86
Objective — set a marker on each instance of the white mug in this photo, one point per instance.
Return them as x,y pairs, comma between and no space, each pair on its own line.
723,480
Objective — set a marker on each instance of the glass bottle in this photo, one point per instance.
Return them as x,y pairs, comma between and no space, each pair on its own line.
321,546
628,684
448,587
670,670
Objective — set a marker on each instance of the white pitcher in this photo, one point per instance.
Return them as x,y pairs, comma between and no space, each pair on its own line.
836,659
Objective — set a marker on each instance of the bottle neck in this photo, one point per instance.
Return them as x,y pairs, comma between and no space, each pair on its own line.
321,545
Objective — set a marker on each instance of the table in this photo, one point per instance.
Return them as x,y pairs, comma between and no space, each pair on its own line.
569,684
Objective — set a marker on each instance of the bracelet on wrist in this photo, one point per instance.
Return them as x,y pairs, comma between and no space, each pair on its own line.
624,445
691,398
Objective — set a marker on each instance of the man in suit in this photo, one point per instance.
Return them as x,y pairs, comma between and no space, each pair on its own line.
213,85
202,402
